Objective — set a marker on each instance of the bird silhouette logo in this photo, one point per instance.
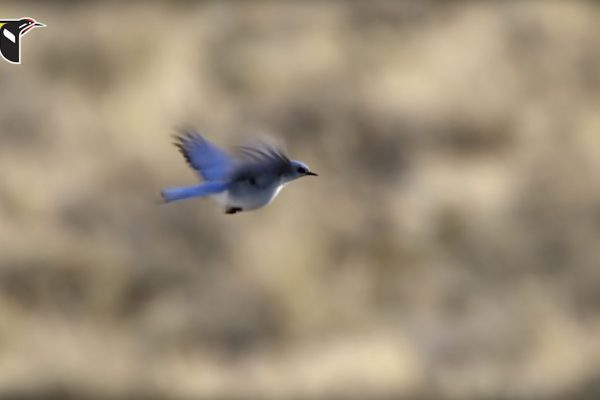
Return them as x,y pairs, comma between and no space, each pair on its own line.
11,32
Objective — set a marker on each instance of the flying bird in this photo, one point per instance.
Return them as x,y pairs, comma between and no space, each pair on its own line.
244,181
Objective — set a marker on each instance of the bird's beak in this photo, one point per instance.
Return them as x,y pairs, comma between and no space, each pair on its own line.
39,25
311,173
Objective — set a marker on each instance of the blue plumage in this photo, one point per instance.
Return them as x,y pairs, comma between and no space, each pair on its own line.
245,181
181,193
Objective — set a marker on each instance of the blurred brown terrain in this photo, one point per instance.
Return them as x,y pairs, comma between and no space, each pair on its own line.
450,248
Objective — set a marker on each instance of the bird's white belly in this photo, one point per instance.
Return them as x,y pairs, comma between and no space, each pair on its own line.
250,200
221,198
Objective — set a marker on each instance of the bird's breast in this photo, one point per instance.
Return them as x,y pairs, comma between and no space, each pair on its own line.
247,196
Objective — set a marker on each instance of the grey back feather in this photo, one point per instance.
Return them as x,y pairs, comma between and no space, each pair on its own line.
260,159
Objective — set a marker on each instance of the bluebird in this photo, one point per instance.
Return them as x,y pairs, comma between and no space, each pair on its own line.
244,181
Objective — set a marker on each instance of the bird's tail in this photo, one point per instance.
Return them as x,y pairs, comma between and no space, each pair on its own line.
181,193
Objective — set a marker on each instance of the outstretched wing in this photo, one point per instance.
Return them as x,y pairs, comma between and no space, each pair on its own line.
212,162
259,159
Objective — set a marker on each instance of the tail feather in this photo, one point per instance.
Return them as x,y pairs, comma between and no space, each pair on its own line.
181,193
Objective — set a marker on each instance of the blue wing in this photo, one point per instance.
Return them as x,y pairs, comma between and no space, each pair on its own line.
212,162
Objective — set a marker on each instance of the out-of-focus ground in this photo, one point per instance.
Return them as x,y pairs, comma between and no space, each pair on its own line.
450,248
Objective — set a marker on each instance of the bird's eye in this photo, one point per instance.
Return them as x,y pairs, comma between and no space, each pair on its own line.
301,170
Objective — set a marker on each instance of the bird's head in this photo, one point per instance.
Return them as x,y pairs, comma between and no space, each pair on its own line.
26,24
299,169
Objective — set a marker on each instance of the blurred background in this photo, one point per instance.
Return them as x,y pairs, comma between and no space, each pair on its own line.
448,250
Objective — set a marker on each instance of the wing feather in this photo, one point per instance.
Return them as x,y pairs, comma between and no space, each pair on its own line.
260,159
210,161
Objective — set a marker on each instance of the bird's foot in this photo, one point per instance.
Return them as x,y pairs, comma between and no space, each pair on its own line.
232,210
